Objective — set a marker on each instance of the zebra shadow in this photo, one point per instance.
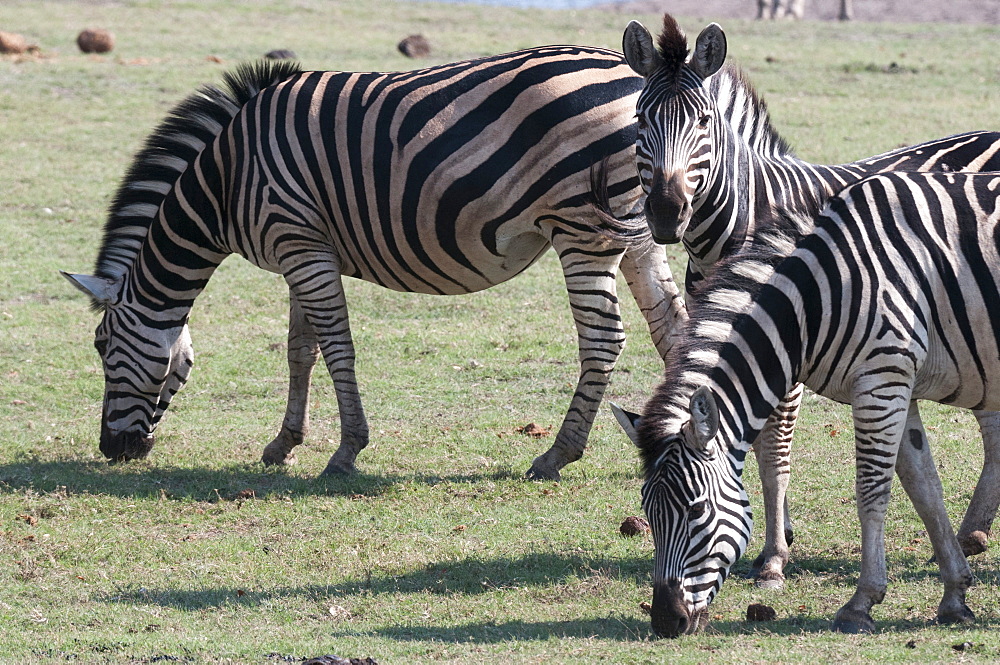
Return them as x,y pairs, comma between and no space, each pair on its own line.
138,480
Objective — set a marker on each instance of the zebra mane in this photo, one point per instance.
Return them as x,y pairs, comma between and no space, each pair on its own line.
673,47
715,308
167,152
731,85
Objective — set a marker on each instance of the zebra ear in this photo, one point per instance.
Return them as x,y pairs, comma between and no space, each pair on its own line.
101,289
628,420
709,51
640,54
704,423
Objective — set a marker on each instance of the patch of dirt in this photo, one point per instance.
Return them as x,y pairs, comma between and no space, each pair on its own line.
870,11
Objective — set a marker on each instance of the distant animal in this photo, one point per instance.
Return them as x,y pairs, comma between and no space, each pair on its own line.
775,9
713,166
892,295
444,180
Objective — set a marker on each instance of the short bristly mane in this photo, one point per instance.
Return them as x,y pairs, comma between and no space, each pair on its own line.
728,293
672,45
167,152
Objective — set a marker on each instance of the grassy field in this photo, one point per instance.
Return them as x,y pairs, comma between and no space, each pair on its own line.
437,550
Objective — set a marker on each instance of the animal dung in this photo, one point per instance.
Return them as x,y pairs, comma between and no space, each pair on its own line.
533,430
95,40
633,526
646,607
11,42
415,46
758,612
973,543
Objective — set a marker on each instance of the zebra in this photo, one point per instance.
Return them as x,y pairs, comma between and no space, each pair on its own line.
796,9
713,165
892,297
444,180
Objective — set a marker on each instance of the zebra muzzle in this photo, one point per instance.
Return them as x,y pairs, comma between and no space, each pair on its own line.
669,614
125,446
667,208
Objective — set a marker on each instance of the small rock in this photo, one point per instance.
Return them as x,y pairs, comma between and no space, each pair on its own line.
646,607
415,46
633,526
758,612
280,54
95,40
964,646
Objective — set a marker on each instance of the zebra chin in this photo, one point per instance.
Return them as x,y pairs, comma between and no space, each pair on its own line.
125,446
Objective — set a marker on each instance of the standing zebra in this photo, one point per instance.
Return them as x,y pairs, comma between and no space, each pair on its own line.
775,9
713,166
445,180
893,297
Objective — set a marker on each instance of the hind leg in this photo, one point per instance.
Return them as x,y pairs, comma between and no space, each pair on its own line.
973,534
303,352
591,283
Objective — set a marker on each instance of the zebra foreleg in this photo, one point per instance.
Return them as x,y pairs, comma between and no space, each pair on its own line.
920,479
320,293
772,449
649,279
303,352
591,283
973,534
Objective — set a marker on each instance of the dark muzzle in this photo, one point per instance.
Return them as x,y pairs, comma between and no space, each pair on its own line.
667,209
125,446
670,616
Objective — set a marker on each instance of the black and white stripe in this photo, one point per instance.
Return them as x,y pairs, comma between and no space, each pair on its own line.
444,180
714,167
893,297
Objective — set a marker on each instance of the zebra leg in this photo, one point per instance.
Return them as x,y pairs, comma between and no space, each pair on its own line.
303,352
974,532
920,479
591,283
764,10
880,414
662,304
319,291
772,448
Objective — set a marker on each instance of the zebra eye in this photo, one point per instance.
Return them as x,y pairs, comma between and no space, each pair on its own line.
640,120
703,121
697,509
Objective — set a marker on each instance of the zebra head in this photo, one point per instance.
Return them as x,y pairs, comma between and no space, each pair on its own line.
675,115
144,367
698,512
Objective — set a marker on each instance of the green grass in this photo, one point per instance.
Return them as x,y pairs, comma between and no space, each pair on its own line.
437,550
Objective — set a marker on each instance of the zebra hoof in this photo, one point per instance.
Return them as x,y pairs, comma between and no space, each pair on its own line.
957,616
278,458
770,582
853,622
339,469
538,472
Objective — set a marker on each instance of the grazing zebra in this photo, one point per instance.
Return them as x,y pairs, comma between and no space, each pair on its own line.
713,166
893,297
445,180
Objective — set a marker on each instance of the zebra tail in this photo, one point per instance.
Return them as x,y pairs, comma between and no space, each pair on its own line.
630,231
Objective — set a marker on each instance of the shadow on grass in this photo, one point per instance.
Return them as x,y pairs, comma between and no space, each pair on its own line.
137,480
471,576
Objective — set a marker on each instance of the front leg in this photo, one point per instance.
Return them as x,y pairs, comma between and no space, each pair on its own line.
320,293
880,415
648,275
591,282
773,451
303,352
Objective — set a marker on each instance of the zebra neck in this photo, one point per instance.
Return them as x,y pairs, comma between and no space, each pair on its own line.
179,253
